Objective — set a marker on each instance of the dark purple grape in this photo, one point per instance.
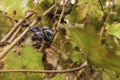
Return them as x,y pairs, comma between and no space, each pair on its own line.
32,29
34,37
48,35
47,38
38,29
45,28
39,35
49,32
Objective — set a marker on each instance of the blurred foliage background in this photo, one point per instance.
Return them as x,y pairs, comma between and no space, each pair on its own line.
89,31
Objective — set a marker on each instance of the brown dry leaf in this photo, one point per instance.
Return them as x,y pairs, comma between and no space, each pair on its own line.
52,58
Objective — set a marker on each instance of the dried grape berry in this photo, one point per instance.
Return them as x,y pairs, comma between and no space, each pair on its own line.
31,28
38,29
48,35
45,28
40,34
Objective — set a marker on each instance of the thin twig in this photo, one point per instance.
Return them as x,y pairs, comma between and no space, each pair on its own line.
48,71
8,48
101,33
15,27
42,48
15,34
58,24
102,6
61,15
64,61
47,11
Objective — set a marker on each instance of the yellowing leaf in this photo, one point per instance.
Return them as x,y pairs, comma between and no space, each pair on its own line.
89,9
114,29
29,58
14,9
88,41
59,77
109,75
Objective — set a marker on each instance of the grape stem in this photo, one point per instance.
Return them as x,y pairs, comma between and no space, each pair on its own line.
48,71
9,47
102,30
58,24
42,48
102,6
15,27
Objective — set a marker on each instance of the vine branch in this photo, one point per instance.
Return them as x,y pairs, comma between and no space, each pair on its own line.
15,27
15,34
48,71
102,30
8,48
102,6
58,24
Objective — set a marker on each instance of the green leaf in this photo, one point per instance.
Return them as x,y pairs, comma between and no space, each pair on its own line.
88,41
50,1
99,55
29,58
69,49
73,16
15,8
5,23
114,29
109,75
77,37
72,54
89,8
76,57
105,76
59,77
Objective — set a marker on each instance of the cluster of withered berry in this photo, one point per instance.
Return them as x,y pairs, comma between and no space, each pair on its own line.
40,34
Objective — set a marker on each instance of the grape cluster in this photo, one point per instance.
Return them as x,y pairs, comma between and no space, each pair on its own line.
40,34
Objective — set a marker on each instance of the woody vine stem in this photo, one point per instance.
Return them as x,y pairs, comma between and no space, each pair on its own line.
9,47
49,71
